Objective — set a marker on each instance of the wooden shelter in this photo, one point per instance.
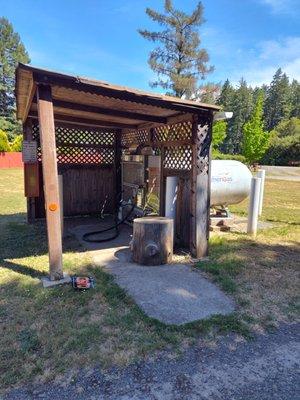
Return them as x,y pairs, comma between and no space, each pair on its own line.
81,126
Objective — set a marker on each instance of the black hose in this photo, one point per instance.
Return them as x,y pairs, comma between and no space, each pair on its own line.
86,236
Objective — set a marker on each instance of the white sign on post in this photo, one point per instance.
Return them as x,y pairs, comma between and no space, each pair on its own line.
29,151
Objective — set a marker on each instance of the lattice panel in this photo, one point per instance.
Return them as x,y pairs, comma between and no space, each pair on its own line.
203,145
135,137
80,146
84,136
179,131
178,158
36,137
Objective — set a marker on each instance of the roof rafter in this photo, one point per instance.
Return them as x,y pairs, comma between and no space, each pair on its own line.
84,121
109,111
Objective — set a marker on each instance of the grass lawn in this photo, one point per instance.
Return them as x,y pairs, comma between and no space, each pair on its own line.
48,332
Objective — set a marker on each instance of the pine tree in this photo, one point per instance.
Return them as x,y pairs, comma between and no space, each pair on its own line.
240,103
12,51
207,93
179,61
277,104
295,99
255,139
226,96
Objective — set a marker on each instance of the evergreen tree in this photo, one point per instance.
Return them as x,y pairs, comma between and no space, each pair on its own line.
12,51
295,99
178,61
277,104
226,96
240,103
255,139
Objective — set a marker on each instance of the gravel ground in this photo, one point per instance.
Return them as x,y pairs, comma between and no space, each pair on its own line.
265,368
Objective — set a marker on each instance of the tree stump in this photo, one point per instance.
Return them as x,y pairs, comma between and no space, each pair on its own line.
152,242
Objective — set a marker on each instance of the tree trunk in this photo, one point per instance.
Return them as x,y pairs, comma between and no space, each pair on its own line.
152,240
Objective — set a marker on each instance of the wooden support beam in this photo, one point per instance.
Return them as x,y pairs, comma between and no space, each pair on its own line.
69,119
200,186
50,177
85,145
32,92
108,111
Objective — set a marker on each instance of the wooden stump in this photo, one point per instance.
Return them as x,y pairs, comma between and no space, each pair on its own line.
152,242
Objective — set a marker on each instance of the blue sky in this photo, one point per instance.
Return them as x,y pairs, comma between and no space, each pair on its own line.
98,38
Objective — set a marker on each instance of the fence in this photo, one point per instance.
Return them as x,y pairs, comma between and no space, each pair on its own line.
11,160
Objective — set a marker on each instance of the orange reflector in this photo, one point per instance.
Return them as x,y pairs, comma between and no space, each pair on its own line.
53,207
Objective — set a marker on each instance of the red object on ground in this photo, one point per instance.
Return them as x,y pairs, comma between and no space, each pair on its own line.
11,160
82,282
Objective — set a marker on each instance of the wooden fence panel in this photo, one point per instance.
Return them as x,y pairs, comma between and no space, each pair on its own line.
182,226
87,190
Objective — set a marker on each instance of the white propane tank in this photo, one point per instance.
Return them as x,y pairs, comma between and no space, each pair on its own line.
230,182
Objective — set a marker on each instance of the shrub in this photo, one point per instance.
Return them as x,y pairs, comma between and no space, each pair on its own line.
288,127
218,133
4,144
285,143
17,143
283,150
216,155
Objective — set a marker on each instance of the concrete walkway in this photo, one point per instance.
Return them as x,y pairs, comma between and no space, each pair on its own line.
172,294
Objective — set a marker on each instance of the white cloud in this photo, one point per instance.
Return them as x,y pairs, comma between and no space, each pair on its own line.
268,57
285,49
281,6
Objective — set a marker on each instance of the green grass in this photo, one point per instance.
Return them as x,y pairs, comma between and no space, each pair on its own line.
47,332
281,202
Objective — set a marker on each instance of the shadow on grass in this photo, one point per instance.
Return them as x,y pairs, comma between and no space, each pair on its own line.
23,269
20,240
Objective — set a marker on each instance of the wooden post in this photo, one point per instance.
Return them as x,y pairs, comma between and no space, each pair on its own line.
162,189
118,170
50,175
27,135
200,186
61,202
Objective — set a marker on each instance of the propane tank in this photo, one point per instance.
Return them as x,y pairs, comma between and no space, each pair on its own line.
230,182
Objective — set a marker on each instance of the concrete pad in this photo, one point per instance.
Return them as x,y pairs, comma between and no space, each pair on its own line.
173,293
47,283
